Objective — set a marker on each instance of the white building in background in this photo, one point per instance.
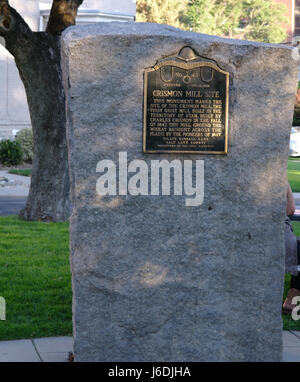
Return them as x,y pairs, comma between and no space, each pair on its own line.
14,114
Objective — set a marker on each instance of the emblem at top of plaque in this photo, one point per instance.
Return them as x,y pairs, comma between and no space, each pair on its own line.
185,105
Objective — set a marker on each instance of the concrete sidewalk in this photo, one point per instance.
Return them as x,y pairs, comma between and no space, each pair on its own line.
50,349
56,349
13,194
291,346
20,187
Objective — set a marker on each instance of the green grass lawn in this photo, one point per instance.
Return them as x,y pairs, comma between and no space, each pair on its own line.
294,174
24,171
35,279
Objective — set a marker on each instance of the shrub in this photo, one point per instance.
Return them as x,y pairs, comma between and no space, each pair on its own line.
10,152
25,138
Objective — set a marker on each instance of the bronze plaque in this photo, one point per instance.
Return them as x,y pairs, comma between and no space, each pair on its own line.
185,105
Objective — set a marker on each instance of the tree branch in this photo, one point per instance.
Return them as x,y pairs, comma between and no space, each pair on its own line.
63,14
11,22
5,16
16,32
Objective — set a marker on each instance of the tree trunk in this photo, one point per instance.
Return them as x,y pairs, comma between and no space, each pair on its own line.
48,198
37,56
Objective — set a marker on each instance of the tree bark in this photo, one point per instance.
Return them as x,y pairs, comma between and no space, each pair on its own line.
37,56
48,198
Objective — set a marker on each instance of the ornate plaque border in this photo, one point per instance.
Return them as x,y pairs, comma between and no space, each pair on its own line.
186,64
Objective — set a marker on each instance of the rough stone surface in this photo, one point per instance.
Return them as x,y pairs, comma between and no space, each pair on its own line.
154,280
